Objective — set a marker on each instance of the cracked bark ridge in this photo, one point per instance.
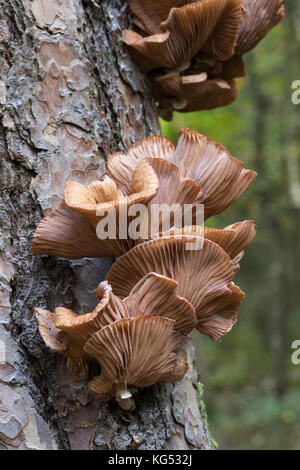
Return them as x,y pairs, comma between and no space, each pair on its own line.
69,95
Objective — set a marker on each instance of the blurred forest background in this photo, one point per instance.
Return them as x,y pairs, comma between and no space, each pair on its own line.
251,387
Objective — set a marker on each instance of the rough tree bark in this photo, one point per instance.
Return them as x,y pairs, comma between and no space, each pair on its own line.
69,95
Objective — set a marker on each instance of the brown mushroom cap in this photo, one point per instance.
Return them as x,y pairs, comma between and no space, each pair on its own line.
193,37
217,325
175,192
70,230
136,351
66,332
232,68
179,370
170,85
156,295
150,16
203,275
173,187
220,314
78,365
87,199
64,233
220,176
244,232
209,94
192,93
76,329
48,330
103,195
120,166
233,239
209,25
257,19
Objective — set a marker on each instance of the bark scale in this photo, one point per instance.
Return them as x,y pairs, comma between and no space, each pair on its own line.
69,96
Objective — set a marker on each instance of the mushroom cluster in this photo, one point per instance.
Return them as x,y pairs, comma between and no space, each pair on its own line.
164,284
193,50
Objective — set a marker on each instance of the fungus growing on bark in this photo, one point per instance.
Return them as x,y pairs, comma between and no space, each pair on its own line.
156,295
178,280
199,171
66,333
258,17
191,93
181,39
134,353
209,26
220,177
257,20
70,231
204,272
233,239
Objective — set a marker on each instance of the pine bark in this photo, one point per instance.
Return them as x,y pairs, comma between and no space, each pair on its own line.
69,96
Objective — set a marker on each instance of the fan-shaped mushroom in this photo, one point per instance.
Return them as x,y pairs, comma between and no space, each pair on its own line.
220,176
181,39
233,239
71,231
156,295
203,275
66,333
148,18
191,93
133,353
210,26
257,20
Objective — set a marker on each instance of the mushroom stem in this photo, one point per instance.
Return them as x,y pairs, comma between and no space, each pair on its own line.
180,67
127,404
124,397
180,103
122,391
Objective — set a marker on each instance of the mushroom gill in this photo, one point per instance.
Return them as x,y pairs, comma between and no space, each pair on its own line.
156,295
133,353
258,18
181,39
149,17
204,272
233,239
210,26
66,333
220,178
72,229
191,93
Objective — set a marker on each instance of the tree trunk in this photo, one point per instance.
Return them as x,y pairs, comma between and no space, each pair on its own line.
69,96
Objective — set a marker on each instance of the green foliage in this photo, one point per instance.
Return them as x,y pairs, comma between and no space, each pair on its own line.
202,407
